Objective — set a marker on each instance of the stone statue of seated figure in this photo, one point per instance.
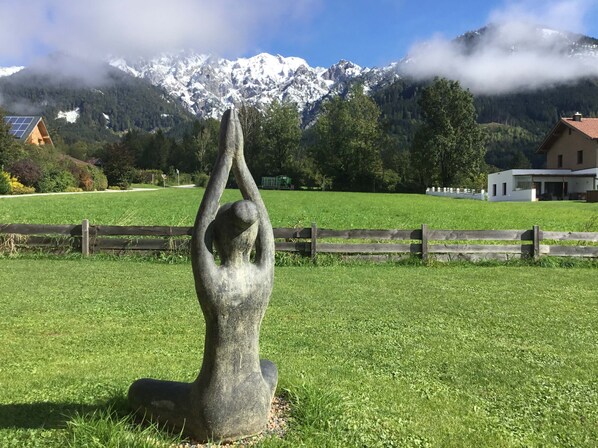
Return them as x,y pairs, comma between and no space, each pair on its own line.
233,392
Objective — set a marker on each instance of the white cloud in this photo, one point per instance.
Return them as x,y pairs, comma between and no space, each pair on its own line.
141,27
565,14
516,53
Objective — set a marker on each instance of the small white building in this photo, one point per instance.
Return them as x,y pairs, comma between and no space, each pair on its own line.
533,185
571,149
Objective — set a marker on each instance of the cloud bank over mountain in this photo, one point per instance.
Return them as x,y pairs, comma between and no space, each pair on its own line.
134,28
513,53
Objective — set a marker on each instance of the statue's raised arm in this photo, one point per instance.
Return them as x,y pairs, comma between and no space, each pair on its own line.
231,140
265,238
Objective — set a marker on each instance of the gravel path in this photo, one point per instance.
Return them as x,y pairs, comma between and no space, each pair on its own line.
132,190
277,426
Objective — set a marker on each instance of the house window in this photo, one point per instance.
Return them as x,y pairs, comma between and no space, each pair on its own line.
524,185
504,188
579,157
493,189
559,161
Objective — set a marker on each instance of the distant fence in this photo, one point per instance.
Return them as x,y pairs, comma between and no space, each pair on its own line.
458,193
443,245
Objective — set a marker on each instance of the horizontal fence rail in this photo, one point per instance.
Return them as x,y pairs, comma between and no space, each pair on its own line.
443,245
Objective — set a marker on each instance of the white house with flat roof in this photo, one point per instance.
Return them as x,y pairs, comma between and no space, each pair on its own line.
571,150
532,185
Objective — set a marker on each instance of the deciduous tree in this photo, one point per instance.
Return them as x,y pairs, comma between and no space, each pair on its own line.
348,139
282,134
448,148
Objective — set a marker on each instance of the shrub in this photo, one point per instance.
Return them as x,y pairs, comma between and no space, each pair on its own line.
88,177
389,181
5,186
85,180
56,180
179,179
22,189
148,177
27,171
200,179
185,179
100,181
17,187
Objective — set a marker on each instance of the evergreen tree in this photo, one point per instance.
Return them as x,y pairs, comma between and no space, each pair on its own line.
448,148
9,147
155,154
253,133
348,139
136,142
118,164
205,144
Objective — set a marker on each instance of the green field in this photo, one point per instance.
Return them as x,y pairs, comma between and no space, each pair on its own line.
332,210
370,355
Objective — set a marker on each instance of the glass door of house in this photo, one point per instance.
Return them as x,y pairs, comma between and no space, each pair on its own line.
556,190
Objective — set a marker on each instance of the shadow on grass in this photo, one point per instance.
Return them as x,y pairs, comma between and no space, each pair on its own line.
51,415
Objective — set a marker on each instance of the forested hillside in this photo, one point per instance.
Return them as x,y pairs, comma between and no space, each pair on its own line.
104,110
515,123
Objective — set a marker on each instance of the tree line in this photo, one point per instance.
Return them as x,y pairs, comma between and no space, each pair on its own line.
348,148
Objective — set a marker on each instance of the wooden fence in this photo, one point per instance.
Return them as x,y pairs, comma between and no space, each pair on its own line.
426,243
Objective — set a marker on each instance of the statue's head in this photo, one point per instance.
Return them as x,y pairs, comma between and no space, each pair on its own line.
235,230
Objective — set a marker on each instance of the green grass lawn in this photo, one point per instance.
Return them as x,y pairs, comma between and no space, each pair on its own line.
173,206
455,355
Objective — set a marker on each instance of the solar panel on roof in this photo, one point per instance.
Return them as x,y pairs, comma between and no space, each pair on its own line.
18,125
19,119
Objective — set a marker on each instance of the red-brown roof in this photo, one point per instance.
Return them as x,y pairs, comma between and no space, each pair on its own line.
587,126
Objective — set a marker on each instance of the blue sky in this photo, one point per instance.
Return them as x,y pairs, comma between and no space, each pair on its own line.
367,32
376,32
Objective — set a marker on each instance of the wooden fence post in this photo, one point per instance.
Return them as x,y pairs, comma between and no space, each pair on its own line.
424,242
536,243
85,238
314,242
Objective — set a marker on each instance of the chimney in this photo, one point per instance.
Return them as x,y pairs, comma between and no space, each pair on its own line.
577,116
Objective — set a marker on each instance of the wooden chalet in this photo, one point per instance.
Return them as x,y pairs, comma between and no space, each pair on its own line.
29,129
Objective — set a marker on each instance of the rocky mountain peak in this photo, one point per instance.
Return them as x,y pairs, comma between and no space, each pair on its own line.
207,86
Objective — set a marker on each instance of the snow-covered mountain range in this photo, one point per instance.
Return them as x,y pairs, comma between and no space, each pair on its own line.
7,71
207,86
517,37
